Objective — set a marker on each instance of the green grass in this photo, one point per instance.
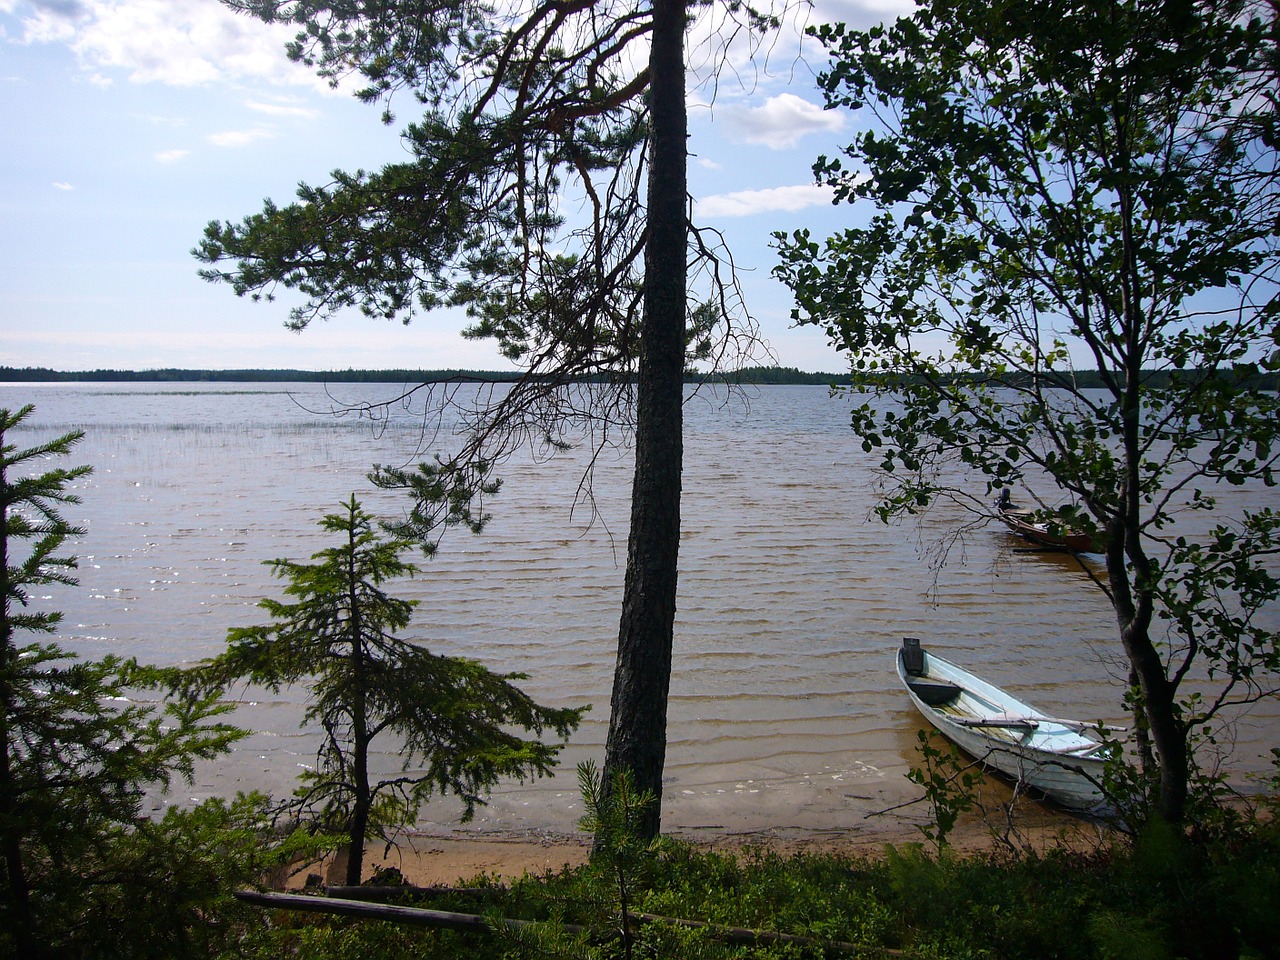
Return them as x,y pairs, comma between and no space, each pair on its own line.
1160,898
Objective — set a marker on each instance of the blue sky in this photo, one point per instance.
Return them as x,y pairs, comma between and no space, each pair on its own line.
129,124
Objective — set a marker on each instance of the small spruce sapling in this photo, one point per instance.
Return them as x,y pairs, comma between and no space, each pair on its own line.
456,722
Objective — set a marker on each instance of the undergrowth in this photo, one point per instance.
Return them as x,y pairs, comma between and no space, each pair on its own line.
1161,897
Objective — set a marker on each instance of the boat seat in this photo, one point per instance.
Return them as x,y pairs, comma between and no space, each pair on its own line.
935,693
912,657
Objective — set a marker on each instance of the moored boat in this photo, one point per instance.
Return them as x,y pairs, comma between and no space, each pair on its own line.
1053,536
1051,754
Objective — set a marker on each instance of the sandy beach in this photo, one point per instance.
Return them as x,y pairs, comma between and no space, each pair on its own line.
439,859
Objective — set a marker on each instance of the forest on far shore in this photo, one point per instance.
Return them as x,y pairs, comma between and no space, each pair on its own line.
176,375
756,376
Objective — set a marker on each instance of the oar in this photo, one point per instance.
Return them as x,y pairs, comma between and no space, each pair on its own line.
1081,725
1004,720
1008,721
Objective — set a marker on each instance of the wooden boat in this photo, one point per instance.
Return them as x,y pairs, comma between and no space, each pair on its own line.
1023,522
1050,754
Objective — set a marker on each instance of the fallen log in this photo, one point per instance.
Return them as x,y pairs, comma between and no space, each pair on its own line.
473,923
413,916
381,894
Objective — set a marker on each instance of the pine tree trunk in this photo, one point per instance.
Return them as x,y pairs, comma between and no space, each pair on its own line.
638,720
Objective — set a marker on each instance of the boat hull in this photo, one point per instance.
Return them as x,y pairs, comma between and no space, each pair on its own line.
1040,534
1051,756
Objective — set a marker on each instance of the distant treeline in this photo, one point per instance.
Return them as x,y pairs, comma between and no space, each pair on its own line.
1086,379
1246,374
753,375
177,375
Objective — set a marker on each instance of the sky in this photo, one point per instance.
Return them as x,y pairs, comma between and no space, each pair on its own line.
127,125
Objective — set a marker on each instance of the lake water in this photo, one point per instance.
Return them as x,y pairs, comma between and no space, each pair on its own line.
785,715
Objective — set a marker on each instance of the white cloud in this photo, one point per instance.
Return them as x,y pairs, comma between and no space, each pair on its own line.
781,121
51,23
172,156
238,138
862,14
175,42
68,9
728,59
744,203
62,185
709,164
283,109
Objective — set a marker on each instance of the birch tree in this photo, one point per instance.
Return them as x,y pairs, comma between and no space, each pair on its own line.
1047,184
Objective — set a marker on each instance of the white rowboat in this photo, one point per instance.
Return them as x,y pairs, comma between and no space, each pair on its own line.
1048,753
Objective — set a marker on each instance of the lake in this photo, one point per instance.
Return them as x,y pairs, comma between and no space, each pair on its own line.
785,715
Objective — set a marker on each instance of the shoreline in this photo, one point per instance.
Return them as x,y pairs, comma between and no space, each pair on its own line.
432,858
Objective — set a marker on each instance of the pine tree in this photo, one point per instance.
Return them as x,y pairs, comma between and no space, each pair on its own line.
545,195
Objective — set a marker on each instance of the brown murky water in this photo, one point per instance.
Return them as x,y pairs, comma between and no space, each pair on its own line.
784,714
